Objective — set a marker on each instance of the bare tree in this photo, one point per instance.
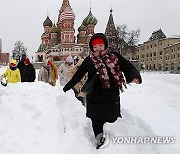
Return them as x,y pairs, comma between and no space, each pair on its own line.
122,31
127,38
133,37
19,50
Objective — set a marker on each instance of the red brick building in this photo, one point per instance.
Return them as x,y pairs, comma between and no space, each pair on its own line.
4,57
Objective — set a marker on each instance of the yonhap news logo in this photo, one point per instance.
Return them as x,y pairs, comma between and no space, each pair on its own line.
144,140
107,139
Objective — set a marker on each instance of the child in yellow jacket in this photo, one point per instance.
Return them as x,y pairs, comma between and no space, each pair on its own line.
12,73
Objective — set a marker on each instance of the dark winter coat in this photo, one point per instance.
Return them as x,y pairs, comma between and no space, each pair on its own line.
103,104
21,66
28,73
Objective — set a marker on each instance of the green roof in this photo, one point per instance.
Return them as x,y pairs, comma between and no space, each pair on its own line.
42,48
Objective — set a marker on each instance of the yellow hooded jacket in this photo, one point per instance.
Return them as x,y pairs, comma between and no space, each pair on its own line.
13,76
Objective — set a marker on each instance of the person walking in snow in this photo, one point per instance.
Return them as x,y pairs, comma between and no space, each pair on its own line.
45,72
54,72
29,72
12,73
63,69
77,88
103,103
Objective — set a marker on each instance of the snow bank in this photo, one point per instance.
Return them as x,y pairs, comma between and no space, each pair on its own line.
36,118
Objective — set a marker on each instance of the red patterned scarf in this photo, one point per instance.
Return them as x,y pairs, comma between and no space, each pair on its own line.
112,64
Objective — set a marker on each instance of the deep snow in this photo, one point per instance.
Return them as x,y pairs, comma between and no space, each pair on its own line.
36,118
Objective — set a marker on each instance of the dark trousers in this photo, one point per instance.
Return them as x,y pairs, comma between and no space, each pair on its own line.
97,125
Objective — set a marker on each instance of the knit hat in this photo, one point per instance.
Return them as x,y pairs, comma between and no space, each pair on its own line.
97,40
98,35
12,63
69,59
27,62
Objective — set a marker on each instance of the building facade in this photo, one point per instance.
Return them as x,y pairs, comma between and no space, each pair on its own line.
4,57
159,53
59,40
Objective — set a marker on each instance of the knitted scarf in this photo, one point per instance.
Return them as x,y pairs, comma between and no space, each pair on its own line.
110,64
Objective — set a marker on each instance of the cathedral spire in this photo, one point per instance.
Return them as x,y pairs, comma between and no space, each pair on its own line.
47,13
64,5
110,28
111,20
110,33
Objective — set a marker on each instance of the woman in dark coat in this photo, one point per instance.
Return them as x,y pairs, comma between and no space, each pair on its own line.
21,65
29,73
103,104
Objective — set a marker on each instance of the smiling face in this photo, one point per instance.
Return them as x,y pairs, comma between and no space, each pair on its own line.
98,44
98,47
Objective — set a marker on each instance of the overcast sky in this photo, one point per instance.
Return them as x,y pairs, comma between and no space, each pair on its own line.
23,19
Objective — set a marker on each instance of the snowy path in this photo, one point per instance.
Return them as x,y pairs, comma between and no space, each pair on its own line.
78,129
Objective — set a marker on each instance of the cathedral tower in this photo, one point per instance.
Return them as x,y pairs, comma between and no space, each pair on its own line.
111,33
45,37
86,30
65,25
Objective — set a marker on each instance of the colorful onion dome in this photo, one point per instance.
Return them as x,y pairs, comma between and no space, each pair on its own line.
90,19
82,28
47,22
53,29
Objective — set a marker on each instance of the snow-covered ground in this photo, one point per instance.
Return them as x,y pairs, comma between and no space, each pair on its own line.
36,118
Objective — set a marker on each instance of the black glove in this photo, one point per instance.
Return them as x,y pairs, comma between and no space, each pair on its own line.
65,89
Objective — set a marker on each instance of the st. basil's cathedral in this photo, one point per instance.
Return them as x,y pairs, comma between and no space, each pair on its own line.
59,41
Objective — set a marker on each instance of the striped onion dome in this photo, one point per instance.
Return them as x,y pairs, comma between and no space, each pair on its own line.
82,28
67,14
53,29
90,19
47,22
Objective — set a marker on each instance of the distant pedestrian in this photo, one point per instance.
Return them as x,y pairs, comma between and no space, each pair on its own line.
45,72
28,73
63,69
54,72
12,73
21,64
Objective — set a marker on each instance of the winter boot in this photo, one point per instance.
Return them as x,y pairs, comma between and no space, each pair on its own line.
102,140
